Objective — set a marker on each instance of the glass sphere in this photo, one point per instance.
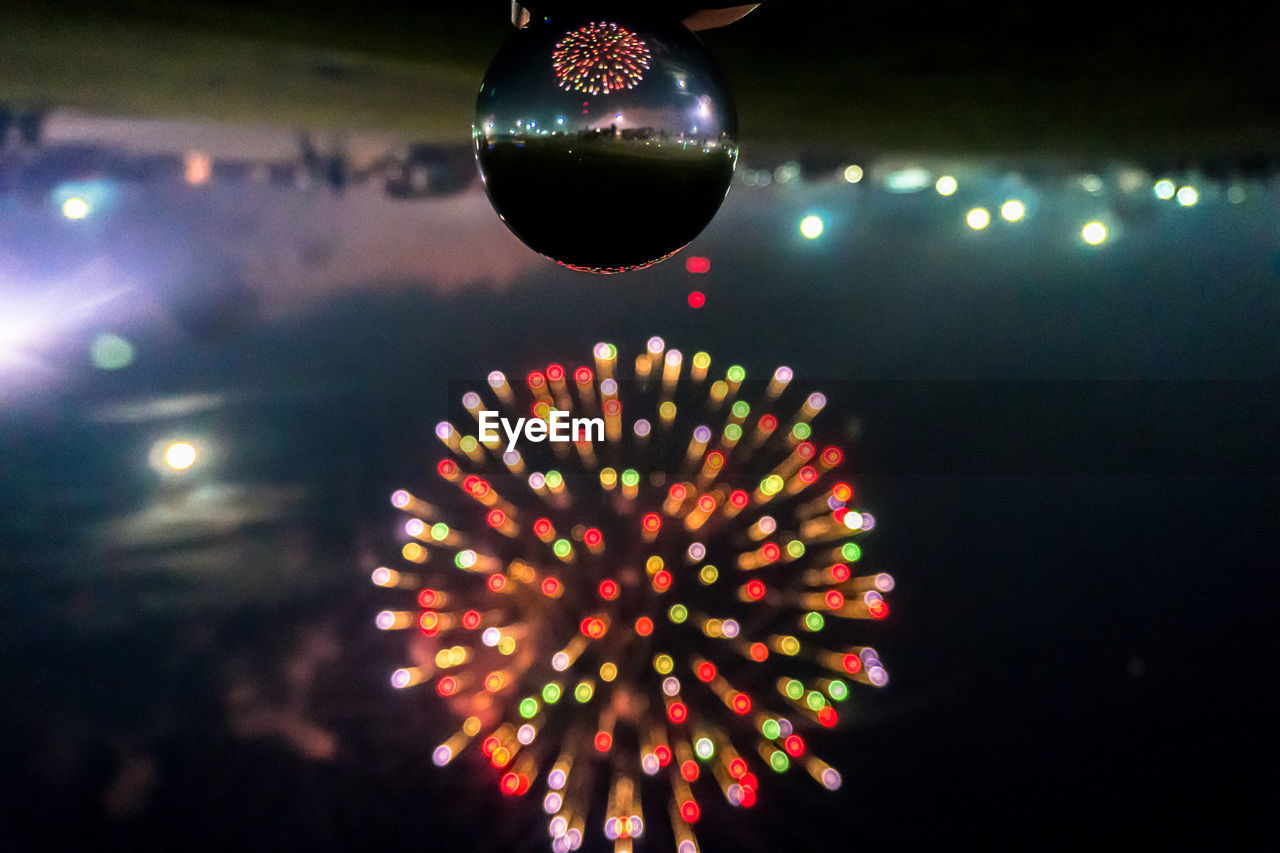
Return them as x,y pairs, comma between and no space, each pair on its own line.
605,144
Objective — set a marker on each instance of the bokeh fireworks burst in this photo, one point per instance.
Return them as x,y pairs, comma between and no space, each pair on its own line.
665,615
600,58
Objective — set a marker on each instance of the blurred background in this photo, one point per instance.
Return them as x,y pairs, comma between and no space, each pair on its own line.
1031,255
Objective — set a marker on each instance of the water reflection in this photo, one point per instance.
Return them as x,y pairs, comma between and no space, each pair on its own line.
290,308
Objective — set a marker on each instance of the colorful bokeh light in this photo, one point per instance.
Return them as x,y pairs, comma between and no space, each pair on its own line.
689,613
600,58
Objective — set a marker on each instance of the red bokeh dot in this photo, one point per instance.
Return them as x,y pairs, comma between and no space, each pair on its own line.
604,741
677,712
644,626
689,770
697,299
759,652
852,663
689,811
706,671
697,265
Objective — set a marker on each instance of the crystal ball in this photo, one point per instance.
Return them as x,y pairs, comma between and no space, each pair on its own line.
605,144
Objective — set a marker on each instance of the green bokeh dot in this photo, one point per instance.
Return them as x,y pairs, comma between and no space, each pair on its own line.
110,352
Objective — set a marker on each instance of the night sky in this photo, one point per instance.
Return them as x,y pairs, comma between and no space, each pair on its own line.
1070,452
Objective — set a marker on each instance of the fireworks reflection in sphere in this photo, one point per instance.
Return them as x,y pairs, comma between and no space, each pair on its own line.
605,145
